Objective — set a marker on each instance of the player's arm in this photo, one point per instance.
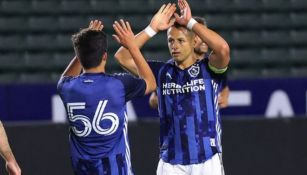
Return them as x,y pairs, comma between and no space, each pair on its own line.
74,68
7,154
219,57
125,36
160,21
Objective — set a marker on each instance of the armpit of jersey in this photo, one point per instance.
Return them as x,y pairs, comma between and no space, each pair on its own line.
216,70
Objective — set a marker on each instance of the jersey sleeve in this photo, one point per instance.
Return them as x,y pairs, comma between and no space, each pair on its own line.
155,66
212,68
134,87
224,81
216,73
61,83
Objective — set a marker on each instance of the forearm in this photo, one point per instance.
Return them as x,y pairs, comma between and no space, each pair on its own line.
216,43
143,68
124,57
162,20
5,149
74,68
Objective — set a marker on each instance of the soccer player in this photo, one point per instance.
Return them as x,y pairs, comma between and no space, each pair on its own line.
12,166
96,101
200,50
190,128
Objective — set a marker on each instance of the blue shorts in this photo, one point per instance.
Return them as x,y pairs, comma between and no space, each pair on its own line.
113,165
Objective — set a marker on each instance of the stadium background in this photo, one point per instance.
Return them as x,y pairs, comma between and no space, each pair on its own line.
264,128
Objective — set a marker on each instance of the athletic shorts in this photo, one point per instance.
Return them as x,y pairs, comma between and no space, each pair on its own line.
213,166
115,165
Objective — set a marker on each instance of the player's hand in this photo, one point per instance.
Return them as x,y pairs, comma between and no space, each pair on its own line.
223,101
13,168
153,100
124,34
185,13
223,98
96,25
163,20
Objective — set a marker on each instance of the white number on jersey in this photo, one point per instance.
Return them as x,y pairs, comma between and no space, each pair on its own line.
99,117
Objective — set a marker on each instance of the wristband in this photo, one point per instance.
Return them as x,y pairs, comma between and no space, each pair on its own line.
150,32
191,23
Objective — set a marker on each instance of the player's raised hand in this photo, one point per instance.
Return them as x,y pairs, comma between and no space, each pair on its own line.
162,20
96,25
124,34
185,13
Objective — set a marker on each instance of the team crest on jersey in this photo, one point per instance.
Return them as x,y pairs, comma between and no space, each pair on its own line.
194,70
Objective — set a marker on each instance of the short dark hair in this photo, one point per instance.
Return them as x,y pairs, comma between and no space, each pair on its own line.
90,46
178,26
200,20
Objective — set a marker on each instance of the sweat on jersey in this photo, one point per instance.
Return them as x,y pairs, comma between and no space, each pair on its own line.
190,124
96,108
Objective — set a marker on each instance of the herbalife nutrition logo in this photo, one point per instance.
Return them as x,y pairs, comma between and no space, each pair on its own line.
191,86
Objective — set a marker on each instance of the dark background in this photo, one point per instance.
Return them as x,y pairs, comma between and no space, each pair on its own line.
250,147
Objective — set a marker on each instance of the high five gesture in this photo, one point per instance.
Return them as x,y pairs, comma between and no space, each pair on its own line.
185,13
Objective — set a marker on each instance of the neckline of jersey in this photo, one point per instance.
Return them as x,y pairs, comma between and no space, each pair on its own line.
93,74
185,69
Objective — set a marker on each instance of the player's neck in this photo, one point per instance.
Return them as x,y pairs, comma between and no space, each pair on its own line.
187,62
100,68
199,56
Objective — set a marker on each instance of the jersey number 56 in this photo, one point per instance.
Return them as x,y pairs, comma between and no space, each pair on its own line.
99,116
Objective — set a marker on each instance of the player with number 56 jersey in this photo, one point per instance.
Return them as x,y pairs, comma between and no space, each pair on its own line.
96,102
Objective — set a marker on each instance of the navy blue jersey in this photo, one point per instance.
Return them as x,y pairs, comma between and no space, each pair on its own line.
96,108
224,82
188,107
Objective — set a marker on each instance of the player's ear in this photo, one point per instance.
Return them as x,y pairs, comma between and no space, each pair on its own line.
105,56
195,40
